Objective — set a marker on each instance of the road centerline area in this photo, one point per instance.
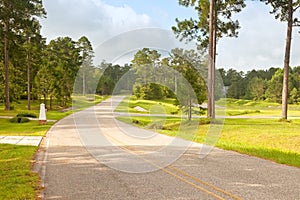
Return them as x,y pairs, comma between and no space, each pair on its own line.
171,171
89,157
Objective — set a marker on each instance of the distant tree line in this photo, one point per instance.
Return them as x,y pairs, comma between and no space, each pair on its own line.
32,69
261,84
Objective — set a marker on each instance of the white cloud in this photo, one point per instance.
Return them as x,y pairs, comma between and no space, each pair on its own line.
260,44
261,41
115,31
120,49
93,18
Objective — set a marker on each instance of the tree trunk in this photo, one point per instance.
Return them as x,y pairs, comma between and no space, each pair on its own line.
7,99
214,62
175,84
190,110
83,82
287,61
28,75
210,93
51,99
45,99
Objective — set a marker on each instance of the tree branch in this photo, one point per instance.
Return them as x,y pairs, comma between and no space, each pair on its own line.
295,9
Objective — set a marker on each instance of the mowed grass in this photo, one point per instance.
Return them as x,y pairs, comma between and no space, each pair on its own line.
228,107
129,103
78,103
31,128
17,181
266,138
240,107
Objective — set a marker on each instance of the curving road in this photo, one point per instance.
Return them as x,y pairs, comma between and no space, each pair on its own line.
90,155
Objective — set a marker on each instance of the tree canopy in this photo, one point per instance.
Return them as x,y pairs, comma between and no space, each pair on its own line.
16,18
197,29
31,69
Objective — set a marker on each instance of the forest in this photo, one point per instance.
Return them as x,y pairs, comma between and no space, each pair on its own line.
33,69
261,84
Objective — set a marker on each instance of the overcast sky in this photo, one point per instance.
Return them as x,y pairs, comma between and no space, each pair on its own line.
260,44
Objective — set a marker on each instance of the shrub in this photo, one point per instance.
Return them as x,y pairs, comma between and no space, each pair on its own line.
27,115
174,112
136,121
19,120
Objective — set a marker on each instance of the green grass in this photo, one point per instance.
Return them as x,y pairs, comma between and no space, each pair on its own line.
31,128
242,112
265,138
57,113
166,106
150,122
235,107
228,107
261,133
17,180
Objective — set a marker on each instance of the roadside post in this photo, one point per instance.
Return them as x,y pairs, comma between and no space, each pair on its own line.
42,117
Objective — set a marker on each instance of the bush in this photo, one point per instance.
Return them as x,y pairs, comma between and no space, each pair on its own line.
150,91
135,121
174,112
19,120
27,115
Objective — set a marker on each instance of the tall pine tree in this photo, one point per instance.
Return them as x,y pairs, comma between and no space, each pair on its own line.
285,10
214,22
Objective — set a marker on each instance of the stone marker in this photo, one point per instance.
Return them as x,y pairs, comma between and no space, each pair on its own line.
42,117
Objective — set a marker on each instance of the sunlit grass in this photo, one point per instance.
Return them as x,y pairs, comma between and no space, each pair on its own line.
78,103
240,107
31,128
128,105
228,107
265,138
17,180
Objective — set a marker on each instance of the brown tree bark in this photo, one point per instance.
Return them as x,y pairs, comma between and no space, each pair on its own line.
6,65
287,61
211,67
28,75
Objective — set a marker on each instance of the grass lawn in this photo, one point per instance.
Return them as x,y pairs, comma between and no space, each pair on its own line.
167,106
238,107
57,113
265,138
31,128
228,107
17,181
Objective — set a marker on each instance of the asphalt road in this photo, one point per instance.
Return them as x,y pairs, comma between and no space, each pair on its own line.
90,155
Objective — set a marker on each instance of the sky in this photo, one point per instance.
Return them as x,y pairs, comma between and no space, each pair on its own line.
117,28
